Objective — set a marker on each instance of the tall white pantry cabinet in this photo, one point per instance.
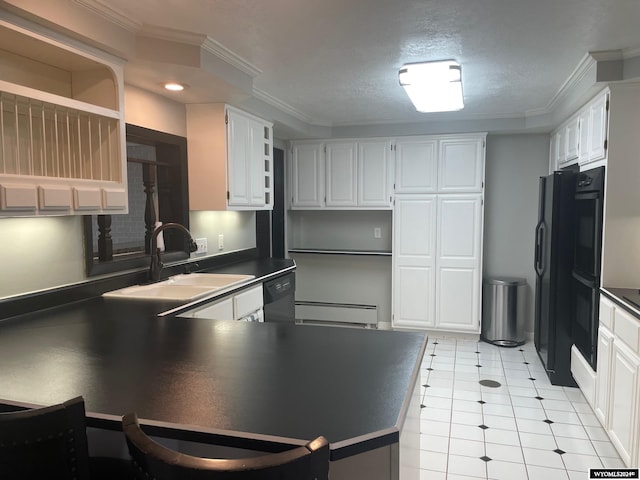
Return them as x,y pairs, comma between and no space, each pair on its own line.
437,232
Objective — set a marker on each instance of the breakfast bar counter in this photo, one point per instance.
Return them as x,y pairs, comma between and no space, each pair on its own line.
260,386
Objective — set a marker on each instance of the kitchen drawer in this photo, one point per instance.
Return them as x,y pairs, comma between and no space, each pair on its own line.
606,312
248,301
627,329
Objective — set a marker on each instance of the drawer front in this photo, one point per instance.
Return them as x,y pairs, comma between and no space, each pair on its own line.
606,312
627,329
248,301
18,197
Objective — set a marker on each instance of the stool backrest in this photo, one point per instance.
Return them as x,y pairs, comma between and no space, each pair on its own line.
48,443
154,461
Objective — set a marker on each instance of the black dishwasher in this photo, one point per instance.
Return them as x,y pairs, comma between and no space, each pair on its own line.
279,299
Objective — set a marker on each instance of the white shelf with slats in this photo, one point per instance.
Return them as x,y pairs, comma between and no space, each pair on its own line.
62,134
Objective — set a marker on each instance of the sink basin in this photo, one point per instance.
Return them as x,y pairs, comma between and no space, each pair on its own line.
185,287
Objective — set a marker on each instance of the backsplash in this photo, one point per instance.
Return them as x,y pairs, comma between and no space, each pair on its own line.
40,253
43,253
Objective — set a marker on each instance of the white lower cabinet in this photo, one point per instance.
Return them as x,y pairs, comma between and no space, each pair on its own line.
617,395
601,401
623,428
414,260
233,307
220,310
437,262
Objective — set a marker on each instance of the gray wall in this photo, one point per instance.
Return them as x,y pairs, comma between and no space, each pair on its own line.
513,165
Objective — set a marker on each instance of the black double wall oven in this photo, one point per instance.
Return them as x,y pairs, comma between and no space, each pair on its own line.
588,204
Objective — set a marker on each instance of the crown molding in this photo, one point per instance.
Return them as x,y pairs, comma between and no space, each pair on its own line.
212,46
111,14
205,42
284,107
575,82
585,66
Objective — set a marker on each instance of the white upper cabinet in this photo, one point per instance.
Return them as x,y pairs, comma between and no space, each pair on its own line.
239,160
374,173
584,123
342,174
307,175
230,159
461,164
598,127
583,137
416,165
62,131
572,139
365,173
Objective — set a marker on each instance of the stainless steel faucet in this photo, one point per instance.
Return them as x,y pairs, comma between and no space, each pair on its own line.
156,262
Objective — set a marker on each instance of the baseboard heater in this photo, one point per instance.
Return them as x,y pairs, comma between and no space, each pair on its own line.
342,314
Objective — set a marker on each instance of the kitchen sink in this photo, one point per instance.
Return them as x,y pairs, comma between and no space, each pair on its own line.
184,287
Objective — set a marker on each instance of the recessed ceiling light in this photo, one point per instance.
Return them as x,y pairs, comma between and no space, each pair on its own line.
174,86
433,86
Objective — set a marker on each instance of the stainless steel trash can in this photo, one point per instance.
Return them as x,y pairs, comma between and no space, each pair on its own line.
503,311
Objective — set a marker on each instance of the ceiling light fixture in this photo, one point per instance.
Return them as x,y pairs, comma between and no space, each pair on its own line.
174,86
433,86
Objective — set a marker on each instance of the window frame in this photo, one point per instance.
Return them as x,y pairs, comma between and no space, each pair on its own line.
171,148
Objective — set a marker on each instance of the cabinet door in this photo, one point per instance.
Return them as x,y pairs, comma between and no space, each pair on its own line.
416,165
341,165
572,136
561,146
458,262
623,429
307,176
256,164
584,125
461,165
414,220
238,159
598,119
553,166
222,310
374,173
603,385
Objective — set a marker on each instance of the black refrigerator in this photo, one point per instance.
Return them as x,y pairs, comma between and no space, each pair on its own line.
554,251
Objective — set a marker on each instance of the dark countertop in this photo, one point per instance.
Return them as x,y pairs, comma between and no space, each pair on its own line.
251,385
627,298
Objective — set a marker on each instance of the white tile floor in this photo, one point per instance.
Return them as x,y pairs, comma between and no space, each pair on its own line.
525,428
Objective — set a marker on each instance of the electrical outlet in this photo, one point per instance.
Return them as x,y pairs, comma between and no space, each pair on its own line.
377,233
220,242
202,246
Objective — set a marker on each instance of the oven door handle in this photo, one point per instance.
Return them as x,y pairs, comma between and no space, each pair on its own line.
539,260
587,282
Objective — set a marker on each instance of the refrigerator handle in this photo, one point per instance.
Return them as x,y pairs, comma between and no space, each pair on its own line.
539,265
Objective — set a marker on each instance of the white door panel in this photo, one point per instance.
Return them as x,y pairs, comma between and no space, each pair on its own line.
239,157
374,173
415,306
341,160
461,165
416,165
458,298
307,175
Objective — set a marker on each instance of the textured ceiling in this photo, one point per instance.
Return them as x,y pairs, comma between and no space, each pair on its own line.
336,61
